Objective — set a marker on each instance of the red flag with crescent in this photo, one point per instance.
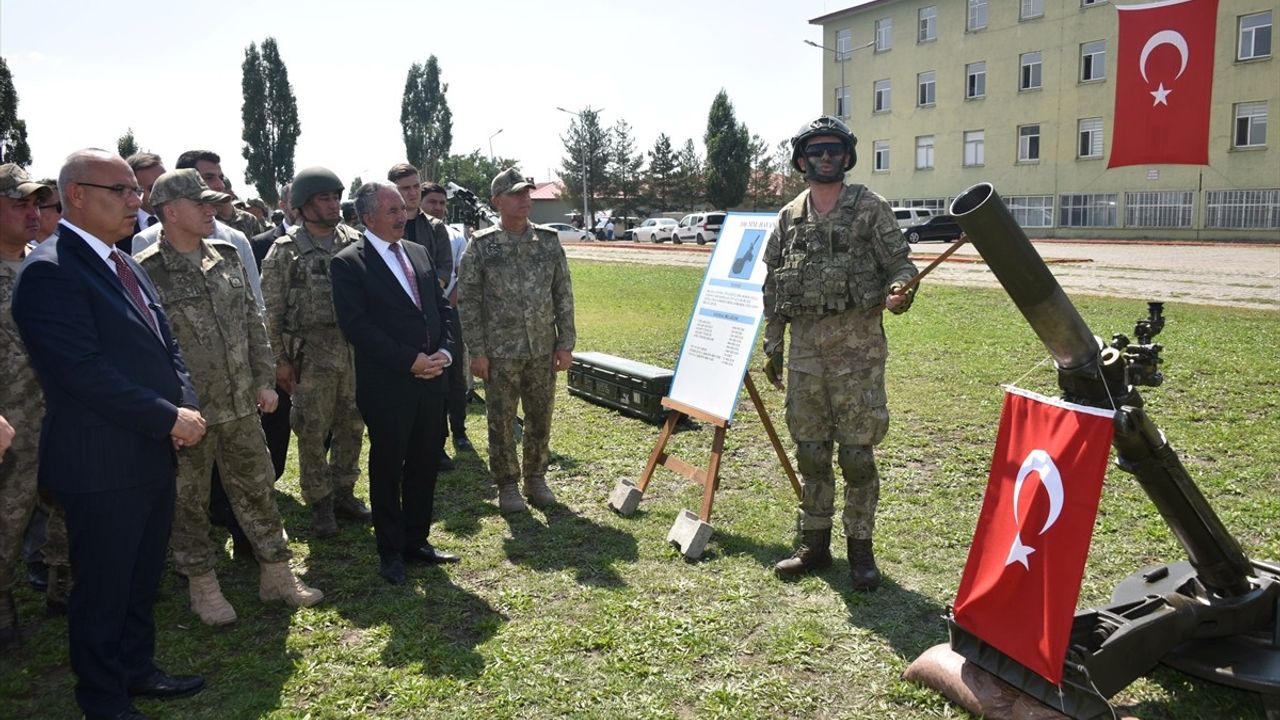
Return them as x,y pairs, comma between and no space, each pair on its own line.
1164,83
1021,582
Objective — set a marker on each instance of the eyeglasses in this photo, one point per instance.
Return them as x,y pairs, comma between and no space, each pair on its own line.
817,150
120,190
55,206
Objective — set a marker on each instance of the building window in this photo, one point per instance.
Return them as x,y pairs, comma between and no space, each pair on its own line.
924,152
928,24
937,205
1255,36
881,101
1029,78
1029,143
1087,3
1093,61
974,148
1090,145
842,101
1251,124
880,155
1031,9
1242,209
1162,209
975,80
884,34
928,87
844,45
977,18
1031,211
1087,210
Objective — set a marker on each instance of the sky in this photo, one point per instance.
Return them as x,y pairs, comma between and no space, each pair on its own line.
85,72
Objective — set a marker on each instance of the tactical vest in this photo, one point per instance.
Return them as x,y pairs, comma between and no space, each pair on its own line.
826,267
310,291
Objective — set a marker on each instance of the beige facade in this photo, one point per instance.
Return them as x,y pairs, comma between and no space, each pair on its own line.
989,121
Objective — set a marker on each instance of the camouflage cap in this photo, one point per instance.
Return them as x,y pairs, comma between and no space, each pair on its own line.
16,184
184,183
508,181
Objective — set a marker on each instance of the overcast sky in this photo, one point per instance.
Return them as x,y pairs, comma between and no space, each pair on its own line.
87,71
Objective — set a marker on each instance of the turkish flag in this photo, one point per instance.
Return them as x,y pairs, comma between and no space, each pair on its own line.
1164,83
1020,584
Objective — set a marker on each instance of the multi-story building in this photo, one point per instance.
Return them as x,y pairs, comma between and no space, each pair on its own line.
943,94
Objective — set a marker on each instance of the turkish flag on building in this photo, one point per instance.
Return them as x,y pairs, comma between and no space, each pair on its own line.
1020,584
1164,83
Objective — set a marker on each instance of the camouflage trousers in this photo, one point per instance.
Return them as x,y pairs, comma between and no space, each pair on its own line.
530,383
324,407
17,496
239,447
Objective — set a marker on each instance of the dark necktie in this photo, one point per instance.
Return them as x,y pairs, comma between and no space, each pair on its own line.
408,273
130,282
152,220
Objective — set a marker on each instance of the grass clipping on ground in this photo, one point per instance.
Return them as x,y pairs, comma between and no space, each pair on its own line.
582,613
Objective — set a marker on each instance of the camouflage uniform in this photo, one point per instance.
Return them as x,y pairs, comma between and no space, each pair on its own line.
246,222
515,298
827,277
22,404
303,330
214,317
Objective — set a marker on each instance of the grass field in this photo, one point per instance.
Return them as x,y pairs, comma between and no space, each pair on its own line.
579,612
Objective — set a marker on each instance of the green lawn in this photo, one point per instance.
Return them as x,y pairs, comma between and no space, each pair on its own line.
582,613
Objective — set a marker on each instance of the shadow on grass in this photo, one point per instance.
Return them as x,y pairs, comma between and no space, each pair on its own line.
569,541
1208,699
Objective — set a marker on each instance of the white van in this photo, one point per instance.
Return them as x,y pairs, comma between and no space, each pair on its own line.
912,216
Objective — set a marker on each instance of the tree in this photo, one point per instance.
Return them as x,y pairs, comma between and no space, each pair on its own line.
270,118
425,119
625,169
728,154
586,145
688,189
473,173
13,130
355,185
127,144
762,187
662,173
793,182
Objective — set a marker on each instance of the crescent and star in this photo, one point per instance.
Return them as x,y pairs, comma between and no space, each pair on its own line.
1040,463
1164,37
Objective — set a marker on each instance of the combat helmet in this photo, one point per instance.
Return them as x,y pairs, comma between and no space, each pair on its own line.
825,125
310,182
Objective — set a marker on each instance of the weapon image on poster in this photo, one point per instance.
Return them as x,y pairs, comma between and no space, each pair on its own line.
744,260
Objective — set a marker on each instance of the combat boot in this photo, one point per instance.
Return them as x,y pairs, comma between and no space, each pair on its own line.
277,582
8,619
323,523
58,595
349,507
814,553
509,500
863,573
207,601
538,493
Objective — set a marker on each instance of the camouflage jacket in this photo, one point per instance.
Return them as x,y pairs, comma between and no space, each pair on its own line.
246,223
298,292
215,320
515,296
21,399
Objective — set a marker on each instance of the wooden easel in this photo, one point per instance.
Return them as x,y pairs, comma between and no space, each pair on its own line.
710,477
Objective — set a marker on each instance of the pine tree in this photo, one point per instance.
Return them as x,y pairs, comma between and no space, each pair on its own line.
762,188
793,182
728,155
127,144
662,174
688,191
355,185
270,118
13,130
586,144
425,119
625,169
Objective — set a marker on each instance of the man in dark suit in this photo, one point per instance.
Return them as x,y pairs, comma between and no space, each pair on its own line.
119,401
275,425
394,314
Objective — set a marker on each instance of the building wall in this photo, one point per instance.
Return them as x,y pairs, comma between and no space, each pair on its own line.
548,211
1057,106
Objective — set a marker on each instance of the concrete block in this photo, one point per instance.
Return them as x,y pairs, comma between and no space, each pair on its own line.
690,534
625,497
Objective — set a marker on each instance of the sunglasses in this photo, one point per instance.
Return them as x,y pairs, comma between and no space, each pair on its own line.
817,150
56,206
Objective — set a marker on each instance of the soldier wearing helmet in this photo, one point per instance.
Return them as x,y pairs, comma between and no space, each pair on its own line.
835,260
313,361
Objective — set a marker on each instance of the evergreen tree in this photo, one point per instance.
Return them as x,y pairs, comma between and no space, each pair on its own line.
687,191
662,174
728,155
270,118
127,144
762,188
625,169
425,119
586,144
13,130
793,182
355,185
473,173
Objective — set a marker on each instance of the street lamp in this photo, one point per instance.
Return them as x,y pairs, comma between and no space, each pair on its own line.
491,137
586,210
842,61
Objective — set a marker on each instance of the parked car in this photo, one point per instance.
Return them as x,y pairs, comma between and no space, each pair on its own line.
702,228
654,230
569,233
911,216
942,228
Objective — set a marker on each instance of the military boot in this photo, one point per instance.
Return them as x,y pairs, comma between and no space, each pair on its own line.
58,595
207,601
814,553
277,582
323,523
538,493
863,573
349,507
8,619
509,500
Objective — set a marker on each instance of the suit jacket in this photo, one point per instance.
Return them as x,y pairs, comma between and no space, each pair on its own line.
434,236
112,384
384,327
262,242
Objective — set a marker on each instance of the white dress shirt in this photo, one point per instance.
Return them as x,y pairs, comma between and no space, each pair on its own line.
384,251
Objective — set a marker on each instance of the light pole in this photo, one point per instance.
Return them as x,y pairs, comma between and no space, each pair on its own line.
586,208
842,61
491,137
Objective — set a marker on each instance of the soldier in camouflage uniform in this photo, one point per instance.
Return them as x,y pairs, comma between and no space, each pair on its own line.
313,360
516,301
21,399
835,258
213,314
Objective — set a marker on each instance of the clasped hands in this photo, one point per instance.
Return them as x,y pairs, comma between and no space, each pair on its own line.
427,366
188,428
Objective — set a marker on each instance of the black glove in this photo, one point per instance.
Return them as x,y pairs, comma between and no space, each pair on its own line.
773,367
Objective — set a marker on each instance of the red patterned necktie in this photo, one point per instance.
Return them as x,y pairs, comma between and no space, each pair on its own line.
408,273
130,282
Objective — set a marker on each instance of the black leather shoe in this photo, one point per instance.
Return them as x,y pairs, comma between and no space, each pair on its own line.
462,443
129,713
392,570
428,554
446,462
163,686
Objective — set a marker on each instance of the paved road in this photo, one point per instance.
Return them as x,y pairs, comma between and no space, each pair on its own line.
1232,275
